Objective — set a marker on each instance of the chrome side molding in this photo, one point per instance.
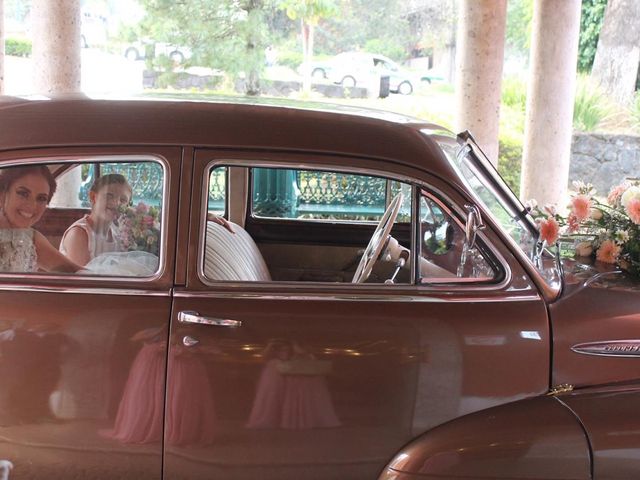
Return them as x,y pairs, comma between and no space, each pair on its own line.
613,348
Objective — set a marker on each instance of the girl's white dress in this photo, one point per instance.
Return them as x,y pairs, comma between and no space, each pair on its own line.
97,242
17,250
106,257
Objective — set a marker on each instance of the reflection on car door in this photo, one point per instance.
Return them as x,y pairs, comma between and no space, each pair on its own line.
288,381
68,348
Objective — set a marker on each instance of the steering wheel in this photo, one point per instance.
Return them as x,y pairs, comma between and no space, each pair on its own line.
378,240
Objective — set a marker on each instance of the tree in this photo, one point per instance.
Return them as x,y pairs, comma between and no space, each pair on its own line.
310,12
615,66
590,26
226,34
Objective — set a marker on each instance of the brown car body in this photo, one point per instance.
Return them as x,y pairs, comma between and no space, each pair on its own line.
428,380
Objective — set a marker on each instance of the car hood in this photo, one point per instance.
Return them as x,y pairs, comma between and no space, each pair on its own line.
587,273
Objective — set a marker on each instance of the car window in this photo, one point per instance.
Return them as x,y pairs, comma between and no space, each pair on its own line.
330,195
330,217
445,255
93,217
311,225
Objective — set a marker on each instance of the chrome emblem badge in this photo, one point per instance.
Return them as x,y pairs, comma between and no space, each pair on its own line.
615,348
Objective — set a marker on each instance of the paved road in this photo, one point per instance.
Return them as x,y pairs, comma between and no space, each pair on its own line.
102,73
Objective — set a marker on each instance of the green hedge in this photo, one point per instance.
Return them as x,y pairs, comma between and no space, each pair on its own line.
17,47
510,163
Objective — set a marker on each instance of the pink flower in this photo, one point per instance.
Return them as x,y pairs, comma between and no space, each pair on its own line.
581,207
633,210
142,208
608,252
616,193
573,223
147,221
549,229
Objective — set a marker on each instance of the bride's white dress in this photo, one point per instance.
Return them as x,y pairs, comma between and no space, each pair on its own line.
17,250
123,264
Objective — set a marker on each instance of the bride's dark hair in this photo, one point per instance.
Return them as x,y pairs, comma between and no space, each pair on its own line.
9,175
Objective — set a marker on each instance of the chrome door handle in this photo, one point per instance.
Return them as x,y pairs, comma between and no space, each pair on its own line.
194,317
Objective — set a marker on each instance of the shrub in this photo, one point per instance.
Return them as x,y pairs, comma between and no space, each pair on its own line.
592,108
290,58
17,47
635,112
514,93
510,162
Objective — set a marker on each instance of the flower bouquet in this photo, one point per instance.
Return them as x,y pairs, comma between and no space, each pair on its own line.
138,229
609,230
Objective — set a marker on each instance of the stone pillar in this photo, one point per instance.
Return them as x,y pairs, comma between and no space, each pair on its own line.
1,47
56,46
479,60
550,99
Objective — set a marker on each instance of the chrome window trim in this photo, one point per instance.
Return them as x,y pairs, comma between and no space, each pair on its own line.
418,296
99,158
127,291
465,286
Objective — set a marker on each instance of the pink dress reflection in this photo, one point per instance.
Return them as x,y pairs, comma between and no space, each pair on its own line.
190,416
140,412
290,401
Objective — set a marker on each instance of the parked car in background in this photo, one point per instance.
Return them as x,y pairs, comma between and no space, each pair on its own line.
93,30
140,51
384,307
351,69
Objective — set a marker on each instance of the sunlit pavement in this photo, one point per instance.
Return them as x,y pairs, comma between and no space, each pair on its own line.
102,73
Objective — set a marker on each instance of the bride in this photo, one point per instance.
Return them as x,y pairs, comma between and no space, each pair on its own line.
25,193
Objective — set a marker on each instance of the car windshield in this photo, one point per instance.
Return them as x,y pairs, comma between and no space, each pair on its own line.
491,191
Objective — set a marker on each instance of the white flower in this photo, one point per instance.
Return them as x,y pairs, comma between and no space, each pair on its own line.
583,188
621,236
630,194
584,249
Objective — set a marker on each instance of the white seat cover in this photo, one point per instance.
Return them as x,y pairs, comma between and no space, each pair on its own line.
233,256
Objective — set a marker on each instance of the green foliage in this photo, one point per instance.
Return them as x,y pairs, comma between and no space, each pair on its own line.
510,162
389,47
17,47
518,28
310,11
635,112
362,20
226,34
514,93
590,25
592,107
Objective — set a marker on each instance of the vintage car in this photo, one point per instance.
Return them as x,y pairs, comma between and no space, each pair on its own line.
382,309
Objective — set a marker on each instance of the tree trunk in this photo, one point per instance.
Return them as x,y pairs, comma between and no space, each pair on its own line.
615,66
307,48
480,56
56,46
1,47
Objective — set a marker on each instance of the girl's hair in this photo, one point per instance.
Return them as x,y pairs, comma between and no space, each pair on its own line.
110,179
9,175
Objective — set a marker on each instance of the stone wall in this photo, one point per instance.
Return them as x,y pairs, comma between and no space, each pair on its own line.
604,160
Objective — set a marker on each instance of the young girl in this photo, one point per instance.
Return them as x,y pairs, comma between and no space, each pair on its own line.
93,234
25,193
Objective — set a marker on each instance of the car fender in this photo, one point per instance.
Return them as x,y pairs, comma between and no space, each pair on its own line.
610,417
536,438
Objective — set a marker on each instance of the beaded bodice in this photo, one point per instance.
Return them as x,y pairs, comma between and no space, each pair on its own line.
17,250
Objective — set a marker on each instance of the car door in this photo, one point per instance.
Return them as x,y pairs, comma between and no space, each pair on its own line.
270,377
82,355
